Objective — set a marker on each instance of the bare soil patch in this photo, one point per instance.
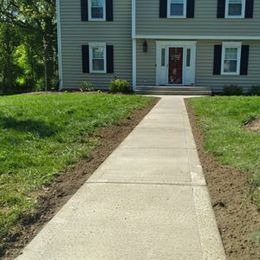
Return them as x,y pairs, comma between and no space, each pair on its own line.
253,125
53,197
237,216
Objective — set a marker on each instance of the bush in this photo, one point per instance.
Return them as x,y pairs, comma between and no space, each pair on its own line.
255,91
120,86
232,90
87,86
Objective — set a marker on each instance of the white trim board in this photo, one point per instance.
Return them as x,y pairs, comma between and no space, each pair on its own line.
134,44
195,37
59,43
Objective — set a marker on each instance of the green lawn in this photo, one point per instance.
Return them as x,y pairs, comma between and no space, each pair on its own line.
222,120
41,134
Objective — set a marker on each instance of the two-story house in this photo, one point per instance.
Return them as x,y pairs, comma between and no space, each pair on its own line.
172,43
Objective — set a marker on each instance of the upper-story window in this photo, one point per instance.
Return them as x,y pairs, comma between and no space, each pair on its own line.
177,8
231,58
235,8
97,10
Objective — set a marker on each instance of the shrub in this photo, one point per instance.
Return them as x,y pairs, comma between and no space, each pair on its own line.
232,90
255,90
120,86
87,86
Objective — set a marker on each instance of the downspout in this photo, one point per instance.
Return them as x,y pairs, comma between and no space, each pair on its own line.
59,43
134,44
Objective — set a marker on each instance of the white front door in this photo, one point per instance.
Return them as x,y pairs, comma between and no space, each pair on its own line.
176,63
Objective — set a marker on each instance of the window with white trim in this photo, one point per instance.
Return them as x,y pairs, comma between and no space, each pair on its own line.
97,10
235,8
177,8
97,58
231,58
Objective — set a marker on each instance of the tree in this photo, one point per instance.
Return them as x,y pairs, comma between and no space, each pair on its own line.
8,43
35,16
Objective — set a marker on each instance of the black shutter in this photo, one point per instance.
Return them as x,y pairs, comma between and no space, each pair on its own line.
84,10
217,59
221,8
163,9
190,8
85,59
244,60
110,59
249,12
109,10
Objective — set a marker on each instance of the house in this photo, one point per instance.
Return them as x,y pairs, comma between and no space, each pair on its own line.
207,43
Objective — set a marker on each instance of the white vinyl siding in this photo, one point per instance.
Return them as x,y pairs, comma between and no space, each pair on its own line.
231,56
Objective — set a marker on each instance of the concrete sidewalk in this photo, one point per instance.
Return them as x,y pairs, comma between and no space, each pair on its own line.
148,200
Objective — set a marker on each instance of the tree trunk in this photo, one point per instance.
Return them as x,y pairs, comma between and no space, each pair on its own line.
8,73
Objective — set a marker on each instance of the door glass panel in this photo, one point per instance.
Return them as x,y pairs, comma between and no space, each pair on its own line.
175,66
188,57
163,57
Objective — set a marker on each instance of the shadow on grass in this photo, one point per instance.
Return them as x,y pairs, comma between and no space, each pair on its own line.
35,127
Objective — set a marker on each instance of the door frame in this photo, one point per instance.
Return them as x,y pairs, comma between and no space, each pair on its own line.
175,44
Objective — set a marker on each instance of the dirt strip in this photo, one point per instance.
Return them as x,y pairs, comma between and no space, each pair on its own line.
53,197
237,216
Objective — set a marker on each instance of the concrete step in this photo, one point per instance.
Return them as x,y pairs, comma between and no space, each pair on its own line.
174,90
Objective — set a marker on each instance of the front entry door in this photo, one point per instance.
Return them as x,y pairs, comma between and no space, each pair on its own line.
175,63
175,73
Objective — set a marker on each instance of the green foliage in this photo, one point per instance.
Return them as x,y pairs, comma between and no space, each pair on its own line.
40,135
232,90
34,52
255,90
8,42
87,86
120,86
222,120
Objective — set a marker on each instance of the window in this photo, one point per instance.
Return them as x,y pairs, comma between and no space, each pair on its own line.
188,57
97,58
97,10
177,8
235,8
231,55
163,57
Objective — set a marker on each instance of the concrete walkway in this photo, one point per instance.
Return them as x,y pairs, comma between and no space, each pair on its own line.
148,200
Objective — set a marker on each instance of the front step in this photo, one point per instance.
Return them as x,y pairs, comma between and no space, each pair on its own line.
165,90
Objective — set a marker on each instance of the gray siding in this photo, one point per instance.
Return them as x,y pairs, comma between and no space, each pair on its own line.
205,22
146,66
204,67
76,33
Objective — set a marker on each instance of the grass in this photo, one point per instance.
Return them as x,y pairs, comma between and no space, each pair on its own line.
42,134
221,120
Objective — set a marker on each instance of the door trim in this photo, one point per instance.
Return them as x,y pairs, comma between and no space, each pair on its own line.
175,44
